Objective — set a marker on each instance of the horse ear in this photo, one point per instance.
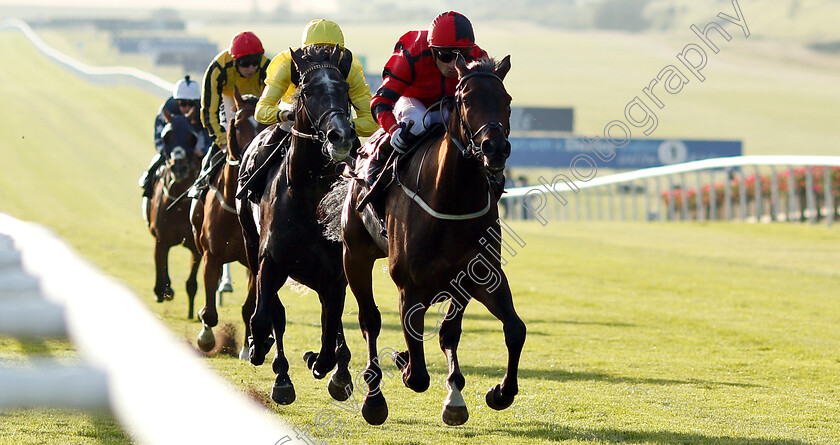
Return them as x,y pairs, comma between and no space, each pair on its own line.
297,61
167,116
335,57
346,62
461,66
503,67
237,98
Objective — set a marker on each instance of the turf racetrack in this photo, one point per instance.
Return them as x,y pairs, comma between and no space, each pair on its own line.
637,333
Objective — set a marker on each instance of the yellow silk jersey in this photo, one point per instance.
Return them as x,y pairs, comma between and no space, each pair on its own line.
279,87
220,79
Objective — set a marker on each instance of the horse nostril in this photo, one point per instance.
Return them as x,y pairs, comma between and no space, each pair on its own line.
335,137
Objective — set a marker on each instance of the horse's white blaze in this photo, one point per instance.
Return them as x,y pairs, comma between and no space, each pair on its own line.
454,398
178,153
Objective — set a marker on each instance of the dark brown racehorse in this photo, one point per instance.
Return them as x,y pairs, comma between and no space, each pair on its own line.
282,234
170,225
215,221
443,242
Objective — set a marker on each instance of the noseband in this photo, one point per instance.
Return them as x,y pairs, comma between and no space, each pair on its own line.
318,134
473,150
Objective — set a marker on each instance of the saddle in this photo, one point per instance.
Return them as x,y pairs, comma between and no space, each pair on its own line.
267,149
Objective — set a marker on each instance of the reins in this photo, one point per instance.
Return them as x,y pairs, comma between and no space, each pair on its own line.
472,151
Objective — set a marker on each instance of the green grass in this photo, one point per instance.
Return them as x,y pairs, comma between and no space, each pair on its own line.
638,333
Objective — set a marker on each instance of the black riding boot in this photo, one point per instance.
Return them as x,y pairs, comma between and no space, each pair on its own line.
375,180
208,164
147,180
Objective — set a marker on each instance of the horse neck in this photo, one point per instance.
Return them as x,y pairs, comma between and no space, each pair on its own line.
230,174
451,171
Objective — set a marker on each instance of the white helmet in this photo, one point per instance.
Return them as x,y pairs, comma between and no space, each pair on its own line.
186,89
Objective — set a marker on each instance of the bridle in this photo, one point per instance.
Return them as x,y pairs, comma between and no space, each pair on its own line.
317,133
474,150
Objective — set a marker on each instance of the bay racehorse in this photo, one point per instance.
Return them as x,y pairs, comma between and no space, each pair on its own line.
283,237
215,222
168,223
443,242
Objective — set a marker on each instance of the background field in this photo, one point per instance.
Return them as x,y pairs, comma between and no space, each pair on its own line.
638,333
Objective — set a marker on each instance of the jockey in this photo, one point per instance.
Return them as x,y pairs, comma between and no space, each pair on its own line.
185,98
420,72
275,104
243,65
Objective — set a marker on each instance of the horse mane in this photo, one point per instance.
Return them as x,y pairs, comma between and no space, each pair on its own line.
250,99
485,64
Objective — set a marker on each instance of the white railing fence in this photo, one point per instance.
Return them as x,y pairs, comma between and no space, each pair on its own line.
112,75
741,188
133,366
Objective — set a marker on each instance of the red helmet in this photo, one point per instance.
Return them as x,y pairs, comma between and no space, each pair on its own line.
245,43
451,30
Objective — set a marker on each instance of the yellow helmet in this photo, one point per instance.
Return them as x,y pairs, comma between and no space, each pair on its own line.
322,31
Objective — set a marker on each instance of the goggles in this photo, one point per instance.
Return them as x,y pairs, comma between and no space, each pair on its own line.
448,55
248,61
186,103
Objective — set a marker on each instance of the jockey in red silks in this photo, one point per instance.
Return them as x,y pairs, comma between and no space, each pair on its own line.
420,72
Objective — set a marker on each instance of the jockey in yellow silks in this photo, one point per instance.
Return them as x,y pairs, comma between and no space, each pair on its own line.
275,104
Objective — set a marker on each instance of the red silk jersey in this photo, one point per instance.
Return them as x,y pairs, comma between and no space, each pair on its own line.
411,71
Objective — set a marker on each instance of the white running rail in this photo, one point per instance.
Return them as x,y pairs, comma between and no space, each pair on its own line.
112,74
156,386
552,198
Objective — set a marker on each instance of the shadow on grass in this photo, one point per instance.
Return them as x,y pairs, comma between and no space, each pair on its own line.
546,431
528,321
560,375
554,432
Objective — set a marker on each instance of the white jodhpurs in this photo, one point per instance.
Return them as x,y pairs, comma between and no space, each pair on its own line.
410,109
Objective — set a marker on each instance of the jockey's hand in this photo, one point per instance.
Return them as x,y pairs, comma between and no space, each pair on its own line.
285,116
402,136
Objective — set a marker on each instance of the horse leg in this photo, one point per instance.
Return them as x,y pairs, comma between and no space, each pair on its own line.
332,305
359,277
412,363
247,310
500,304
454,407
269,280
208,315
163,287
283,392
341,382
192,282
226,283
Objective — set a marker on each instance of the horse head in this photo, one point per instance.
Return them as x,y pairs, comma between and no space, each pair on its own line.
179,141
323,104
481,119
244,126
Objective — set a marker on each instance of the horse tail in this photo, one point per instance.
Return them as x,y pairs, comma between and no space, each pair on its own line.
329,209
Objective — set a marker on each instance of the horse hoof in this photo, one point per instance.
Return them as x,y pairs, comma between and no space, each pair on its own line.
243,354
256,353
400,359
309,358
455,415
340,386
168,293
375,415
283,393
206,339
496,400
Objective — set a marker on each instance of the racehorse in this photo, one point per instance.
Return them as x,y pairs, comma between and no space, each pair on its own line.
168,223
283,237
215,223
443,229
